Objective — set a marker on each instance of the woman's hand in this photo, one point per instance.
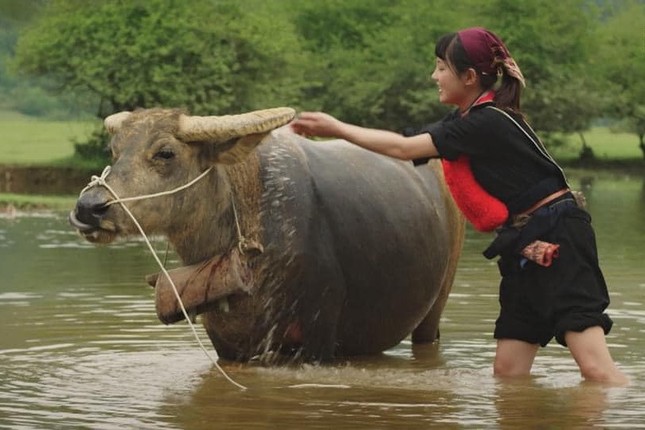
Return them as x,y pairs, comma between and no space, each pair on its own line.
317,124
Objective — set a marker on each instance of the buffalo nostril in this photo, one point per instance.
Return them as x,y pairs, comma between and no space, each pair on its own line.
90,211
100,210
96,211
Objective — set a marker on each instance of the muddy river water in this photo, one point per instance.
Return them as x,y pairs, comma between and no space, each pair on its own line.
80,346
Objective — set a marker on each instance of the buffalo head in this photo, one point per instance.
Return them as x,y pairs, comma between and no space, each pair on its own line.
156,150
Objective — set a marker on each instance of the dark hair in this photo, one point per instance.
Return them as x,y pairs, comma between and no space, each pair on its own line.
507,95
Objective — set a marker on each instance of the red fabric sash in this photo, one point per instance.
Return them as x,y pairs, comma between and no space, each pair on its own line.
483,210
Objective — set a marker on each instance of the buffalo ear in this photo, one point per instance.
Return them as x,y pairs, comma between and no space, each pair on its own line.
236,150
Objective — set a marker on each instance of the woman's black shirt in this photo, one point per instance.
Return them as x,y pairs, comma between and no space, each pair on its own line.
503,159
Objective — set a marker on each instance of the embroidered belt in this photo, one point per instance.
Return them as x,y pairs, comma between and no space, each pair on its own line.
520,236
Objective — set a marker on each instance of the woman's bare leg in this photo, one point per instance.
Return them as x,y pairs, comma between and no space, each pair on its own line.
514,357
589,349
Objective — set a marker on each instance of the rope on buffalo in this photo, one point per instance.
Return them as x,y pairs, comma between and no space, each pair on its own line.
100,181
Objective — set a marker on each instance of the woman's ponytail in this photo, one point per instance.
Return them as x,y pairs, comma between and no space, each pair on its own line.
507,94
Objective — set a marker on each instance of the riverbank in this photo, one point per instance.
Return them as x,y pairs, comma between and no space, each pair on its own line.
43,180
10,203
33,188
627,166
55,188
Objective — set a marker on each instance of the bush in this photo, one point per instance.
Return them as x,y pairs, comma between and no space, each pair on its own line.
34,101
95,149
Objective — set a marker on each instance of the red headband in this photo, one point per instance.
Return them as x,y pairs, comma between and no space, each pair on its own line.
487,51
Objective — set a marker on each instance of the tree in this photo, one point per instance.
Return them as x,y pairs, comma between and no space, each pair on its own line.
366,61
200,55
17,93
207,57
373,58
621,61
552,43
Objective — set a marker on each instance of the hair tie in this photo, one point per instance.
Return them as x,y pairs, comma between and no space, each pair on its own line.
514,70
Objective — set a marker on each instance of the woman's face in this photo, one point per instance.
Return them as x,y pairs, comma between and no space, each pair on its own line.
452,88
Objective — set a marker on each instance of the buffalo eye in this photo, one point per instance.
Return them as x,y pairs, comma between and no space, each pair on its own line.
164,154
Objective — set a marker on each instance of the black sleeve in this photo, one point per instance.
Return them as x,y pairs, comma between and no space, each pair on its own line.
428,128
470,135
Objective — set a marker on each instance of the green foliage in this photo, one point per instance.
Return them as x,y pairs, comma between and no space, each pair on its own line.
94,148
34,101
195,55
621,63
551,41
17,92
373,59
366,61
206,57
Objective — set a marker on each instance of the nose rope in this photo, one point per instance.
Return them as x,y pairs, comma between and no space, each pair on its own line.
242,242
100,181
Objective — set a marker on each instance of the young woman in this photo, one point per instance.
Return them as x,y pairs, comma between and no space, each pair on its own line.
502,178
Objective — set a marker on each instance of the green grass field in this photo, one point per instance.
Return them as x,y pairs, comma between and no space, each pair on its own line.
32,201
30,141
606,145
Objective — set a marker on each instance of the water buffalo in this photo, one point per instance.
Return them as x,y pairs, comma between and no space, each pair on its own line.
291,248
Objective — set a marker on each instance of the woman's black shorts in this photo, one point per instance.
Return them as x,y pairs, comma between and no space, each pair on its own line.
538,303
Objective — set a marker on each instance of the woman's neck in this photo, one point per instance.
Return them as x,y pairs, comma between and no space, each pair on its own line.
477,98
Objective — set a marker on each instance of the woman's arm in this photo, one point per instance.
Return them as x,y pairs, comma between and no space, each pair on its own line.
381,141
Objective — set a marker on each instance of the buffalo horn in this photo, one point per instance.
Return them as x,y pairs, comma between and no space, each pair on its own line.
223,128
113,122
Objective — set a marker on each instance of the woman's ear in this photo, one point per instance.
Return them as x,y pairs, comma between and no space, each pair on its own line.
470,77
